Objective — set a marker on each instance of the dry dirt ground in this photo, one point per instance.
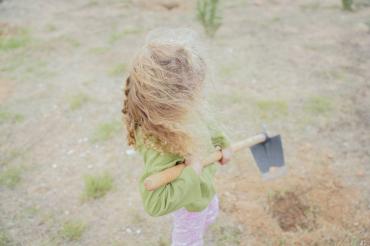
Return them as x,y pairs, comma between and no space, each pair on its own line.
301,67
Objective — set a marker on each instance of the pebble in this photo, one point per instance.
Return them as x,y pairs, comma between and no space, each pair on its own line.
54,165
130,152
138,231
128,230
70,152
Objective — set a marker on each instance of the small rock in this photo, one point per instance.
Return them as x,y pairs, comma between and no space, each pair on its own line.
70,152
89,166
138,231
128,230
130,152
54,165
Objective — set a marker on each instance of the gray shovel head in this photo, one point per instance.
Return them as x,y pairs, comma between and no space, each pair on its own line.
269,157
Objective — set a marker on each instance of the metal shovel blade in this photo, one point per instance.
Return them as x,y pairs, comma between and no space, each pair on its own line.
269,157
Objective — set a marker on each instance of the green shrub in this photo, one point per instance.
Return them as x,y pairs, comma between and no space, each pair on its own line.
97,186
347,4
10,177
105,131
73,230
209,16
77,101
11,42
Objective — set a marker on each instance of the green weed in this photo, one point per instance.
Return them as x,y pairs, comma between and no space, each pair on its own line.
208,14
106,131
117,70
347,5
313,6
226,235
9,117
11,42
318,105
272,108
115,36
98,50
73,230
77,101
97,186
5,239
50,28
10,177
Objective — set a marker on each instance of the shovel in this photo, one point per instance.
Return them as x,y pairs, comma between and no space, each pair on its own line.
267,152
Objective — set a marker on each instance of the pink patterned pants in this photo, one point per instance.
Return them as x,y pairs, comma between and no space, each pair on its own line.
189,227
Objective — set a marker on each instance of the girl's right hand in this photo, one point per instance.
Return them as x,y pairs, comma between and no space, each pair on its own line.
195,163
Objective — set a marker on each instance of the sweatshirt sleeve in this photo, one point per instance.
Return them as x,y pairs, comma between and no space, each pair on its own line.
175,195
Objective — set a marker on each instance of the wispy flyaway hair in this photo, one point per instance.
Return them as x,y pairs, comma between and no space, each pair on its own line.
163,91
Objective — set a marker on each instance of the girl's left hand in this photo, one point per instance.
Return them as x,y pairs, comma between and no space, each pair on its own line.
226,155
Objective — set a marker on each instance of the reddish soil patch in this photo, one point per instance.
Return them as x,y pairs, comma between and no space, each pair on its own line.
291,212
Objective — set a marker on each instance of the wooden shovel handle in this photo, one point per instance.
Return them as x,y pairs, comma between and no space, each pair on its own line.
156,180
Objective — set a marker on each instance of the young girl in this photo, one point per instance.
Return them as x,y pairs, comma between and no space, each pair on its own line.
167,123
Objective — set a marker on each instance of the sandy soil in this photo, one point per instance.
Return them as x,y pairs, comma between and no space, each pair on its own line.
301,67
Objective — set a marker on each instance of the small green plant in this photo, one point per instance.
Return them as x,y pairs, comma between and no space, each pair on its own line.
227,234
73,230
98,50
115,36
9,117
318,105
209,16
97,186
105,131
17,40
77,101
347,5
273,108
5,240
10,177
117,70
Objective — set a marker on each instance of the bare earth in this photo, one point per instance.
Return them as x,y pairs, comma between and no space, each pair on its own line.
301,67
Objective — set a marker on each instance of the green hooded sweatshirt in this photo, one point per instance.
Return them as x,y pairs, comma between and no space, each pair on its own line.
189,190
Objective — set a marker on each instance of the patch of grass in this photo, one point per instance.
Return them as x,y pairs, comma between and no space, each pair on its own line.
97,186
117,70
136,217
106,131
347,5
227,70
77,101
208,14
50,28
73,230
318,105
272,108
227,235
313,6
5,239
10,177
115,36
14,41
98,50
164,241
10,117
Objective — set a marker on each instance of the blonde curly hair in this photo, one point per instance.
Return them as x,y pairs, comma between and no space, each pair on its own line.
162,92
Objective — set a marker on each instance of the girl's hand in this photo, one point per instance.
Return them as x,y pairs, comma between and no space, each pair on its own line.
195,163
226,155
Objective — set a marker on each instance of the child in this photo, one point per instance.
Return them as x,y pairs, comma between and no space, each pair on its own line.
167,124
